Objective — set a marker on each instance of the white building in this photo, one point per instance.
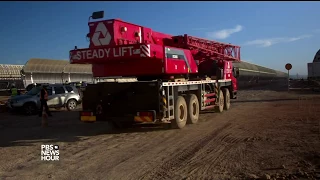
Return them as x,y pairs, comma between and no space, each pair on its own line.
314,67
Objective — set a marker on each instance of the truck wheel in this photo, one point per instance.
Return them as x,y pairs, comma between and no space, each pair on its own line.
193,109
180,113
71,105
226,95
219,106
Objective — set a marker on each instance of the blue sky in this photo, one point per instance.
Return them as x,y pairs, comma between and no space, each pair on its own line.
270,33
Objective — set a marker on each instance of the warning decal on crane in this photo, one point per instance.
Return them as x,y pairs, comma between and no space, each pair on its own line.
101,30
145,50
227,70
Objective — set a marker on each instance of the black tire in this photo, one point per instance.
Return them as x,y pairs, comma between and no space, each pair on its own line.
220,105
193,109
71,105
180,113
226,95
29,108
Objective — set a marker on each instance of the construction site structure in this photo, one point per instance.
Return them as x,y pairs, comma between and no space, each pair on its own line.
52,71
314,73
176,76
10,74
39,71
314,67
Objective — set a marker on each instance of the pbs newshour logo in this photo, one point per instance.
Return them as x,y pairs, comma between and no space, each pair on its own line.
50,152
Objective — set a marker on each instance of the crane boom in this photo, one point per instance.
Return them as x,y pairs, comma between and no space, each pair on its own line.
203,48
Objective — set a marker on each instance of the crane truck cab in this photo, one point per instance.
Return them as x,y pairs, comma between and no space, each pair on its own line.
177,76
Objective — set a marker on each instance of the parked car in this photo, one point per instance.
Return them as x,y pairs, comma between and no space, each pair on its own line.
80,84
59,96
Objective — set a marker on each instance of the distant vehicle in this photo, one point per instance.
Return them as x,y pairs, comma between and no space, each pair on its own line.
59,96
78,84
81,85
31,86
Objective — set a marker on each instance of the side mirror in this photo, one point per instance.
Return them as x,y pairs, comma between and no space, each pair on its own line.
97,15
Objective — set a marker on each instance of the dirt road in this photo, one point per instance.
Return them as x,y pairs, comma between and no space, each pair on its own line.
266,134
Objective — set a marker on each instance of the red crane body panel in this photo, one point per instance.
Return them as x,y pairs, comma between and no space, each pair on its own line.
119,48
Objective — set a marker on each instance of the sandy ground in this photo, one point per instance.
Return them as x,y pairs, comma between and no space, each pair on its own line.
267,134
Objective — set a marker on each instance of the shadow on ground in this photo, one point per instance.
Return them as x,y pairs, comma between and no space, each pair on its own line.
63,127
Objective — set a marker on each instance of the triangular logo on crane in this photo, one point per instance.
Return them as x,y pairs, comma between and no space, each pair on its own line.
101,29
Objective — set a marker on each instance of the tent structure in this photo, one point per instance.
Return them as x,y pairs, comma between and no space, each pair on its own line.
55,71
10,74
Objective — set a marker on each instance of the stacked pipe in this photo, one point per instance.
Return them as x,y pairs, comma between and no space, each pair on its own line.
253,75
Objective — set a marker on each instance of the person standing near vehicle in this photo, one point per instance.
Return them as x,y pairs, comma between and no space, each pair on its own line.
78,85
43,101
13,90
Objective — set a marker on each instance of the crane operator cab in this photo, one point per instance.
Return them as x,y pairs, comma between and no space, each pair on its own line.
215,69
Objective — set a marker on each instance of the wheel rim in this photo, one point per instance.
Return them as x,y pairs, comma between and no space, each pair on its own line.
72,105
194,109
221,100
228,99
181,113
29,109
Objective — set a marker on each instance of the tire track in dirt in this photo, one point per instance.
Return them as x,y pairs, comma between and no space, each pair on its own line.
131,145
215,153
226,152
216,157
218,138
82,150
117,156
165,170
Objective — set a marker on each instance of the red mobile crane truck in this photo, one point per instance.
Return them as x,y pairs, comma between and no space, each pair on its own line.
177,76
